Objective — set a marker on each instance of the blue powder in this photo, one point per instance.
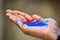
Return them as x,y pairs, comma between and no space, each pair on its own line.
35,23
16,21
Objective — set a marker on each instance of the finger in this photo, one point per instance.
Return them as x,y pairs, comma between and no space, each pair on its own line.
36,17
8,14
21,17
23,14
18,22
17,13
11,11
14,19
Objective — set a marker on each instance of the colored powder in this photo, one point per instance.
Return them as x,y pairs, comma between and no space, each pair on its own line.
27,21
35,23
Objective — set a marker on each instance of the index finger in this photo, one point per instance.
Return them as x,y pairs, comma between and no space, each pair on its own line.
15,12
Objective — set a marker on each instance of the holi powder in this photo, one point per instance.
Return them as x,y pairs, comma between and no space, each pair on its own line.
32,23
35,23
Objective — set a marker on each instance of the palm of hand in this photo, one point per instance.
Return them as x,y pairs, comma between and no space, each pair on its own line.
45,32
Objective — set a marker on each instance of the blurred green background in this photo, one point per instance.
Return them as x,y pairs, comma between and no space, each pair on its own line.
43,8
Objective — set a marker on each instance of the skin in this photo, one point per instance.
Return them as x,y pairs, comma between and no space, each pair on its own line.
40,32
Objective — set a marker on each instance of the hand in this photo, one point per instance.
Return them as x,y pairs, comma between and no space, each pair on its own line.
46,33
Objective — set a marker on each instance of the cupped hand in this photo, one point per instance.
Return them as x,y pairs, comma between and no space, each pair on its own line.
45,32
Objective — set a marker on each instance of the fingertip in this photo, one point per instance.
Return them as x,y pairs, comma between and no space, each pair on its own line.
8,14
8,11
36,17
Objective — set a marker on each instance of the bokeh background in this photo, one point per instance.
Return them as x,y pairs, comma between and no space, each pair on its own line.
43,8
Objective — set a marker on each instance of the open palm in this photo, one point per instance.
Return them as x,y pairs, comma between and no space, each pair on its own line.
45,32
